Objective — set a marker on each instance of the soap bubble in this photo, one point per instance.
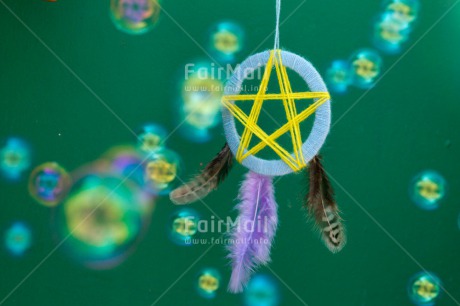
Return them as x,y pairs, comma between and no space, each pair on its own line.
208,283
262,290
366,66
390,34
162,170
124,161
151,138
184,226
226,40
14,158
405,11
427,189
49,184
103,219
338,76
424,289
200,101
18,238
135,16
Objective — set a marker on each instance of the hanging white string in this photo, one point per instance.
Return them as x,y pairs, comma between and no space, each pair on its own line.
277,28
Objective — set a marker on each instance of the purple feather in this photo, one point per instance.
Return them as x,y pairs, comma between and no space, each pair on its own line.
252,237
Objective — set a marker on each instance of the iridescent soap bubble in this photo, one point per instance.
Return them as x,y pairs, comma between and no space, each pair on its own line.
49,184
135,16
18,238
427,189
366,66
162,170
390,34
208,282
14,158
262,290
102,220
338,76
424,288
405,11
125,161
151,138
200,101
225,41
183,226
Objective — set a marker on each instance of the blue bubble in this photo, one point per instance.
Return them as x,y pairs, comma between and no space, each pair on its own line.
18,238
390,34
14,158
404,11
338,76
151,138
366,66
183,226
208,283
427,189
262,290
424,289
226,40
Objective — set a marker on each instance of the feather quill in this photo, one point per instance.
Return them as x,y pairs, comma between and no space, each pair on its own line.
252,237
321,204
205,182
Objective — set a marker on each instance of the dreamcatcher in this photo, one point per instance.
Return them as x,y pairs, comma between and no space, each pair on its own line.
251,244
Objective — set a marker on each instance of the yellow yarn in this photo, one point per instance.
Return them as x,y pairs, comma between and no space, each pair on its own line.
293,118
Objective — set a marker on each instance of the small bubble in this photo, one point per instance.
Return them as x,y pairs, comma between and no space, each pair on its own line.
208,283
366,66
427,189
49,184
262,290
183,226
18,238
134,16
424,288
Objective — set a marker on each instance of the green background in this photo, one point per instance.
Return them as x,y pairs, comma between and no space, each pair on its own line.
408,123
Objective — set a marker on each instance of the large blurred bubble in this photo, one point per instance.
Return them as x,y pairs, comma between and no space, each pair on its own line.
135,16
103,219
49,184
14,158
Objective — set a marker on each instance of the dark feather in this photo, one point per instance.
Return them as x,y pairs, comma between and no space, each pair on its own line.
205,182
321,204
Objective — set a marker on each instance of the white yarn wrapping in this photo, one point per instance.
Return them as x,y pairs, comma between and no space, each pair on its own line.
321,125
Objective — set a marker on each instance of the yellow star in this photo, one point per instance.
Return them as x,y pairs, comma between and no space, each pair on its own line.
293,118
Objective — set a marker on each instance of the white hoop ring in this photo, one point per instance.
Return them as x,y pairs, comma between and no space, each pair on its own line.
321,125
